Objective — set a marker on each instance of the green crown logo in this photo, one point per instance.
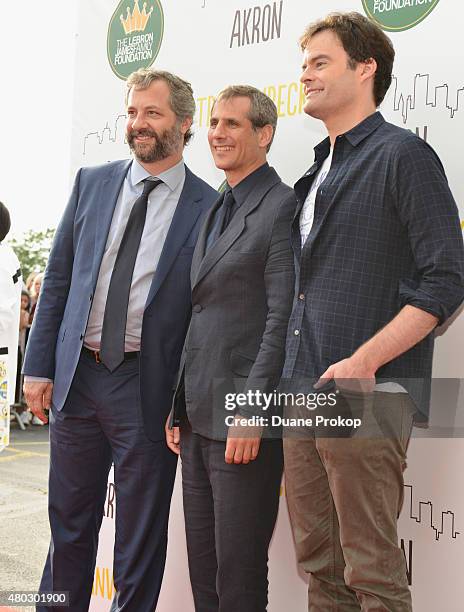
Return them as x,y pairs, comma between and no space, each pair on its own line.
134,36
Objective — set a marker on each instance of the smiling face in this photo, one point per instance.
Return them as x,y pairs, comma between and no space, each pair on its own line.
237,148
153,131
337,90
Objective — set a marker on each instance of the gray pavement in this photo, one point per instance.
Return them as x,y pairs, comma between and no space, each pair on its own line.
24,531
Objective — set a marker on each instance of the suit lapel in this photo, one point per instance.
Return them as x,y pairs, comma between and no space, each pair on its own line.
221,246
107,196
236,226
202,239
185,216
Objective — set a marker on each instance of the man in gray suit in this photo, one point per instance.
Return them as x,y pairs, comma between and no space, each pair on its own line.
242,288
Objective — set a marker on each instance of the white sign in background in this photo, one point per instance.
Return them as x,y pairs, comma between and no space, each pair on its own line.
427,96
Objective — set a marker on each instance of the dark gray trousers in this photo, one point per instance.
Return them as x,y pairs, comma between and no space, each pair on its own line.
230,513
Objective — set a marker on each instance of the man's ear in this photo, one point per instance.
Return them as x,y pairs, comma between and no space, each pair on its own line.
368,68
186,124
265,135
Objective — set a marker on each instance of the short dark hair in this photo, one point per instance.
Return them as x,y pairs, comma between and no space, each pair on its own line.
362,40
181,92
263,110
5,221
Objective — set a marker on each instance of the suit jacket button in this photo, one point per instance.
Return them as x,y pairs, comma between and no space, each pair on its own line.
81,336
197,308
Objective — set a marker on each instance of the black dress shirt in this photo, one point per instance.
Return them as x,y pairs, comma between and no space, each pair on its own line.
240,192
245,187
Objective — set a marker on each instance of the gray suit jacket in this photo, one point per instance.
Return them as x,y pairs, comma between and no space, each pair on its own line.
242,292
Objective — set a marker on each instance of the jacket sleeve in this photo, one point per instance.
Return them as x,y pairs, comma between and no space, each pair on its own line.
427,209
279,278
40,353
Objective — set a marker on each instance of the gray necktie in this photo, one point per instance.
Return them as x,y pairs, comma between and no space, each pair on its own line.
117,301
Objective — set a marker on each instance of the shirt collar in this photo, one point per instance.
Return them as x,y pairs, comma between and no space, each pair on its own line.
354,136
243,189
171,177
364,129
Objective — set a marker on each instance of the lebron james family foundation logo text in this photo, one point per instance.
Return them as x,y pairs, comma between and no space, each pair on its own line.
134,36
397,15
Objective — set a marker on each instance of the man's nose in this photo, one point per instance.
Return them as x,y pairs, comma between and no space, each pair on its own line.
306,75
218,130
138,121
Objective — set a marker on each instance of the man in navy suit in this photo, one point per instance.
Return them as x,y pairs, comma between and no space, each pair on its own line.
106,342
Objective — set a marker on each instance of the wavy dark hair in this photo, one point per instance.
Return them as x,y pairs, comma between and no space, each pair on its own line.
362,40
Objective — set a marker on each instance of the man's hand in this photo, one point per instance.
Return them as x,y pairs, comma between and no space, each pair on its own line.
357,372
351,374
38,397
242,442
172,437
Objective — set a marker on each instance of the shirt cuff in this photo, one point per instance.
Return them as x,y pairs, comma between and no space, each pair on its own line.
28,378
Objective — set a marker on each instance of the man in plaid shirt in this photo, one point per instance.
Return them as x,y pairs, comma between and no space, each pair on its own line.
379,264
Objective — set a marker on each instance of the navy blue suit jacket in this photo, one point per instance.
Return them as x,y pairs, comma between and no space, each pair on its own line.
61,317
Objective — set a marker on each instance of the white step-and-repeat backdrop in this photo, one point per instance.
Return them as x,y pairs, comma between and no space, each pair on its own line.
213,43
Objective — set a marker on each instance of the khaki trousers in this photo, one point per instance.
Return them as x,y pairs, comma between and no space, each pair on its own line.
344,496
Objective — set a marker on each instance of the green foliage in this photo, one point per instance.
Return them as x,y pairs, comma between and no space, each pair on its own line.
32,250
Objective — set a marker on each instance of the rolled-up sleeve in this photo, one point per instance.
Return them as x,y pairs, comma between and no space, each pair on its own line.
429,213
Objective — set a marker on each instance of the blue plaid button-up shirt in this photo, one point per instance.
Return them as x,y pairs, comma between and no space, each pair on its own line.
386,233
